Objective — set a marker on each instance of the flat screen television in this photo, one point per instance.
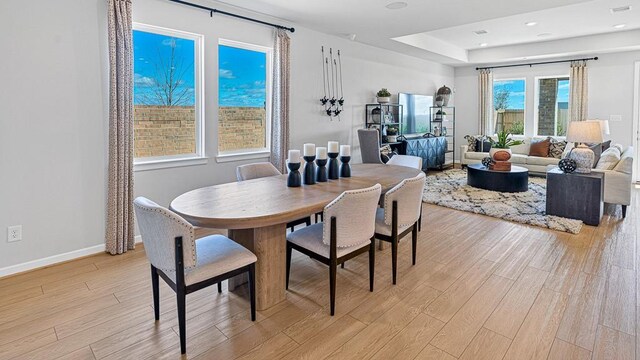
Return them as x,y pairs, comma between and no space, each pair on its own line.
415,113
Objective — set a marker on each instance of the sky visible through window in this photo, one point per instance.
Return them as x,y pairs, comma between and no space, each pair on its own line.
516,89
242,77
163,70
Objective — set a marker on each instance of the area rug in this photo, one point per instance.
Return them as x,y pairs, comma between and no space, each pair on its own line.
450,189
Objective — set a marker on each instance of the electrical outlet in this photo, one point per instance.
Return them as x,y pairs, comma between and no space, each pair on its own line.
14,233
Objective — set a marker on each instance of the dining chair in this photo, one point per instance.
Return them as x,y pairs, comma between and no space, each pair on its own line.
265,169
406,160
348,234
400,215
187,264
412,162
369,146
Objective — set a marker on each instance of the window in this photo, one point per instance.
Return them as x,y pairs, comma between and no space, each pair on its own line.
167,94
552,106
509,105
244,98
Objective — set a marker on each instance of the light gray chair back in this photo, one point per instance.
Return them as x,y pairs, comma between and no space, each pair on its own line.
355,213
408,195
256,170
369,146
406,160
159,227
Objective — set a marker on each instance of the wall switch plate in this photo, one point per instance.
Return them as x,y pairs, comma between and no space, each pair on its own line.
615,117
14,233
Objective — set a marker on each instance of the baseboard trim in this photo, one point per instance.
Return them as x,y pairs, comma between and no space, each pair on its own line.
55,259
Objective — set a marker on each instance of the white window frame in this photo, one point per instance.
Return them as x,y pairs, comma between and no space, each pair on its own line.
525,103
241,154
536,103
199,158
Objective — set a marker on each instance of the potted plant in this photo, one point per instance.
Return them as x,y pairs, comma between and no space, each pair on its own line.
383,96
441,116
504,142
392,134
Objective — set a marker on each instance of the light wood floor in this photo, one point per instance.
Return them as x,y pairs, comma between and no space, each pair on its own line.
482,289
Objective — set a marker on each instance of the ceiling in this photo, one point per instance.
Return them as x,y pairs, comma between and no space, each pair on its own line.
444,30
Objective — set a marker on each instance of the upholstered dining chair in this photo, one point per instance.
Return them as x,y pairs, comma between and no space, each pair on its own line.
400,215
412,162
187,264
406,160
348,234
369,146
265,169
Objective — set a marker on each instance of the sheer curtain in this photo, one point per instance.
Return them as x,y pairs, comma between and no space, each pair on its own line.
280,101
578,91
485,102
119,235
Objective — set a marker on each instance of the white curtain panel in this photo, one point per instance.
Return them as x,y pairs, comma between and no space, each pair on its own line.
119,235
280,101
485,102
578,91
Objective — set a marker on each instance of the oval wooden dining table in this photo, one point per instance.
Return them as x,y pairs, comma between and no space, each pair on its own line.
256,212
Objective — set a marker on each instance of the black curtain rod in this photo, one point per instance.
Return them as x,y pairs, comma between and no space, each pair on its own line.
212,11
536,63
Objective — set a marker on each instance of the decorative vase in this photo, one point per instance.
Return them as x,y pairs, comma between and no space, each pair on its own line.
493,151
445,92
309,171
333,166
383,99
376,115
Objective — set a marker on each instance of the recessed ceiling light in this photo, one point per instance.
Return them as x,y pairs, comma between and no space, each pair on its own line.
619,26
544,35
531,23
620,9
483,44
396,5
480,32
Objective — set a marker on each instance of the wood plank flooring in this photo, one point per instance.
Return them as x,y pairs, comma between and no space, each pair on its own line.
483,288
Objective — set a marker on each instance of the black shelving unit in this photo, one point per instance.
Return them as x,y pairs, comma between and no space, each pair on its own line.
382,117
445,120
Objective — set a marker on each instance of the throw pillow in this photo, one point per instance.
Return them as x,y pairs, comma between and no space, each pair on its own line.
625,165
619,147
609,159
556,148
471,142
597,151
540,148
482,146
606,145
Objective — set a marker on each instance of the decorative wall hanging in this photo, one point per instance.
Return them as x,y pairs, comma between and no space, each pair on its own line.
333,99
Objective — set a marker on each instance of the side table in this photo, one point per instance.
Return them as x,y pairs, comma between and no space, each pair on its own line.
575,196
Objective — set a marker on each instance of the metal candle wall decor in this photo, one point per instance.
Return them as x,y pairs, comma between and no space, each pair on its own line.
333,99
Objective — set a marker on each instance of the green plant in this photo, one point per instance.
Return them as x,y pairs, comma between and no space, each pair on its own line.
560,130
517,128
392,130
383,93
504,141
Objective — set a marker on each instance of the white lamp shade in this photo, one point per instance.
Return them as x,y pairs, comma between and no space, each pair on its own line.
584,132
604,126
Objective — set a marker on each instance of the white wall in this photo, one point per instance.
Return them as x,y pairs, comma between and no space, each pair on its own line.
610,92
53,122
365,69
52,126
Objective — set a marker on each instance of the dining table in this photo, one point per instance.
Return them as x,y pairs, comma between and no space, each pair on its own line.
255,213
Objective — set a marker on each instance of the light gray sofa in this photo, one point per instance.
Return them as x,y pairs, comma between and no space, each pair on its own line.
520,156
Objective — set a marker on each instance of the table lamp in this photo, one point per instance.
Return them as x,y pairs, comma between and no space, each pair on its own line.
582,132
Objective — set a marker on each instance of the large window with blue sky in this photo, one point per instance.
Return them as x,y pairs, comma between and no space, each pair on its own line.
167,94
243,97
509,98
552,106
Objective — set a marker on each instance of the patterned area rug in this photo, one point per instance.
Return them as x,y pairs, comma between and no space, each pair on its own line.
450,189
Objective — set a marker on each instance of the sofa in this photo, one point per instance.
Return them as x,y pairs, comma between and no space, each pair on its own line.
519,156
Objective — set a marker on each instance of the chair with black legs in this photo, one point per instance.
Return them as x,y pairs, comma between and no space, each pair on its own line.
266,169
347,234
412,162
187,264
400,215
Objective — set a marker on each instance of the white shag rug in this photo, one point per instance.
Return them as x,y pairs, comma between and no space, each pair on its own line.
449,189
